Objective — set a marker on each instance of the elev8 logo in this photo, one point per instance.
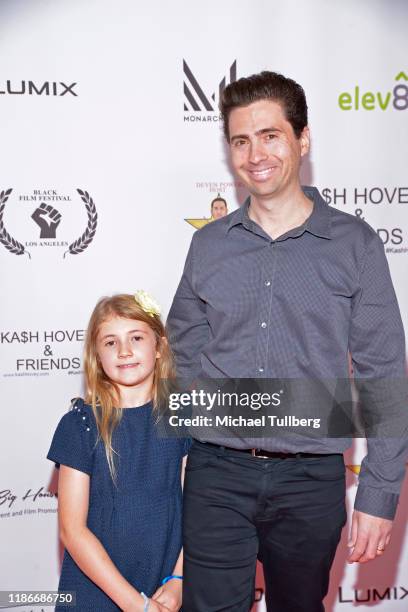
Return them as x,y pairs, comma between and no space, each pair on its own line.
397,98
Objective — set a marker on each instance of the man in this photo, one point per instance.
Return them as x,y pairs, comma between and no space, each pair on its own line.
283,287
219,208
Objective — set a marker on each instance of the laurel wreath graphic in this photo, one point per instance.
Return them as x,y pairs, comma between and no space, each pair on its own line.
13,245
85,240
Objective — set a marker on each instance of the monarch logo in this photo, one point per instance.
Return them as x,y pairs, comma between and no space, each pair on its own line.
196,101
370,100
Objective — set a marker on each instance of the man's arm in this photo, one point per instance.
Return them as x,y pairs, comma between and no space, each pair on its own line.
377,347
187,324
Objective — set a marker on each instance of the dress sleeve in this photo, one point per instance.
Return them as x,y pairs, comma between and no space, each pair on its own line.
187,444
72,444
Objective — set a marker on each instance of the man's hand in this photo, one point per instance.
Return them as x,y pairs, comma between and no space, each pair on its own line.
169,595
369,537
154,606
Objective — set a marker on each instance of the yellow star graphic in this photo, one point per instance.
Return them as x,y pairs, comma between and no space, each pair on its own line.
354,468
199,223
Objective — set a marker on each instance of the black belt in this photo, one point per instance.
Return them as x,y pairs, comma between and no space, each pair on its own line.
261,453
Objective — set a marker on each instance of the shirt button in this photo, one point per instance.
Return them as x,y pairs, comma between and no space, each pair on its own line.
260,369
267,283
263,324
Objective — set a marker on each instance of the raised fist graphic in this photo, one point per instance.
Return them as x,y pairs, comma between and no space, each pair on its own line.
48,218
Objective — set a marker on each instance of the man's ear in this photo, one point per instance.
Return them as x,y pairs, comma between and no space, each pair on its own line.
304,141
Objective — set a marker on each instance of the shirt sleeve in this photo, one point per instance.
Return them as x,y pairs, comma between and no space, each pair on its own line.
377,347
187,323
72,441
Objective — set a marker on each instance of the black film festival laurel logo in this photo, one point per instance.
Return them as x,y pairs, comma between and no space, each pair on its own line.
196,102
47,218
85,240
10,243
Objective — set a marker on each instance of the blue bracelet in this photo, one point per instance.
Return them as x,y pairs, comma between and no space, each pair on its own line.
170,578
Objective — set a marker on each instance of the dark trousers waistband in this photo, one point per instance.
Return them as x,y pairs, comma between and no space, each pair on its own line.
262,453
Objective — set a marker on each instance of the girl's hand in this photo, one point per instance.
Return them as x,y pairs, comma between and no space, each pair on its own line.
154,606
170,595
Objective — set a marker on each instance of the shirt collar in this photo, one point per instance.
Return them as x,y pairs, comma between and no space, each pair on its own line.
318,224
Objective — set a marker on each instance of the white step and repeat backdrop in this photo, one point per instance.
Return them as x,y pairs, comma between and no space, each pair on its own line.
110,143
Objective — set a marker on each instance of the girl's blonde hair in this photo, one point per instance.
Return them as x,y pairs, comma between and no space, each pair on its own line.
103,394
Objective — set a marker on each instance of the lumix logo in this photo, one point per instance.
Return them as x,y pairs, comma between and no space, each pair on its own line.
397,98
371,595
196,101
47,88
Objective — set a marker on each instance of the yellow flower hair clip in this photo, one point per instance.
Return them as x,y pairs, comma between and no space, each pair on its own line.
147,303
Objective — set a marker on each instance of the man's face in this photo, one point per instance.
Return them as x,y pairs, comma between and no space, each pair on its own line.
265,152
218,209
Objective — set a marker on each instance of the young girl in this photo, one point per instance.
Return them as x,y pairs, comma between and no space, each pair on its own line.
119,492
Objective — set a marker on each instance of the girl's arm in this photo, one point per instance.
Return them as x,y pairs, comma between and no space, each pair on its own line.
170,594
85,548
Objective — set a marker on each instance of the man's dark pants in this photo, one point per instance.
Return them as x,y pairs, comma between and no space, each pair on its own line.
287,512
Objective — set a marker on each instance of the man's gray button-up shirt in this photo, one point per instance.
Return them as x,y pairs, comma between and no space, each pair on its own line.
250,306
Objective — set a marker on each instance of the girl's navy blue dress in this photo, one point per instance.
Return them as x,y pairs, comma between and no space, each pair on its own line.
138,521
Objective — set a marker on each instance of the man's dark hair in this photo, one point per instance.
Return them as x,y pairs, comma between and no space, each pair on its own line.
218,199
266,86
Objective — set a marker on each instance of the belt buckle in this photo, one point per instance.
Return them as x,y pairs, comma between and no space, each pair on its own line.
254,452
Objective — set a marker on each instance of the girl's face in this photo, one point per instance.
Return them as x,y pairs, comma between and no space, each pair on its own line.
127,351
